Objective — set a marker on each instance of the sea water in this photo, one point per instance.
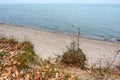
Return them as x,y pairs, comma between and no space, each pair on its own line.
98,21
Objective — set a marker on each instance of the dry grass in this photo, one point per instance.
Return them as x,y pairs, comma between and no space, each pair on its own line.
19,62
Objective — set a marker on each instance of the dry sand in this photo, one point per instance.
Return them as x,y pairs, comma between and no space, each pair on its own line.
48,44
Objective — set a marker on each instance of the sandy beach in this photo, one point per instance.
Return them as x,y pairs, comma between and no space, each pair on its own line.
48,44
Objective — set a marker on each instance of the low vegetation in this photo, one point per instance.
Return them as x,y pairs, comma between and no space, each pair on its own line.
103,73
74,56
19,62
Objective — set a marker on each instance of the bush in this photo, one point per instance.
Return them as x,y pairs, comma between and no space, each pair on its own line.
74,57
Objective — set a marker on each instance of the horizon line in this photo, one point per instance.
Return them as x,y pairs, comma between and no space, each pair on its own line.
59,3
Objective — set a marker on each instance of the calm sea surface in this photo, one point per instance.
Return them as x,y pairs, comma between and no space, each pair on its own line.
94,21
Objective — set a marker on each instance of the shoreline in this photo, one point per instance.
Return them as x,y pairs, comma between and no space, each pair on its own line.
58,32
49,44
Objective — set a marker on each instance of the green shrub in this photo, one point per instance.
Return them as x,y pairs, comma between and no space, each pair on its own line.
22,61
27,46
26,57
74,57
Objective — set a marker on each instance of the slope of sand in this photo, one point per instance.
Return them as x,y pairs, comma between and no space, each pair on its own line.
48,44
